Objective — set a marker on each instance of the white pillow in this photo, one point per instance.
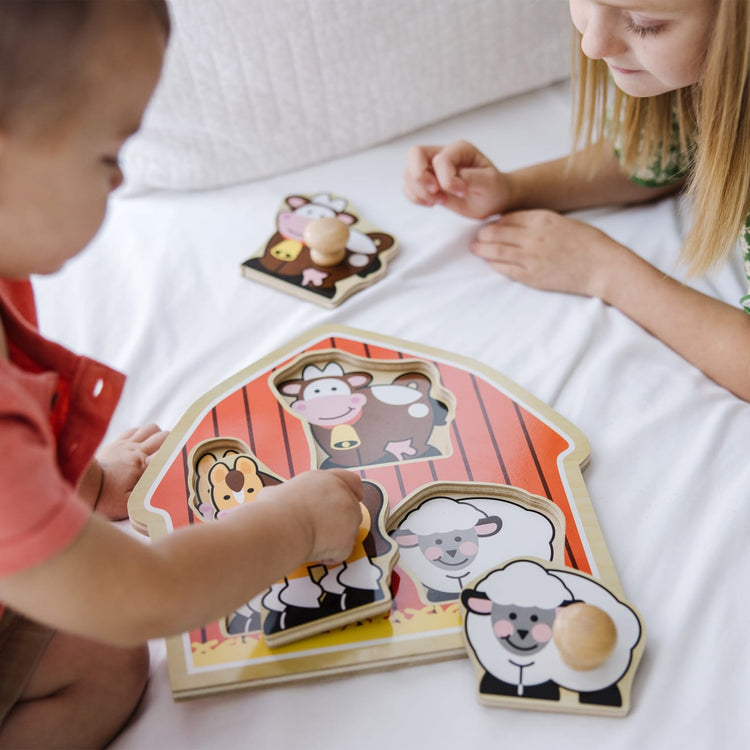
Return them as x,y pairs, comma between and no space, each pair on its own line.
251,88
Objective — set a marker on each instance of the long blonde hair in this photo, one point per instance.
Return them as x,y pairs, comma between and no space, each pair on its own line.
712,123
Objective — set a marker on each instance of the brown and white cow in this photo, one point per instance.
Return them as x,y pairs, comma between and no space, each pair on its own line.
357,423
287,256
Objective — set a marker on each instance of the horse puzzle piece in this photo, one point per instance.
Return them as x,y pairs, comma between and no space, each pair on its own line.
321,251
474,470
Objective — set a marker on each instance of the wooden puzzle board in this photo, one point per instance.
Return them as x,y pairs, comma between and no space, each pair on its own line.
497,433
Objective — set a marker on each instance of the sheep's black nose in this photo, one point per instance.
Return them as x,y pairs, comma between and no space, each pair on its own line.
522,633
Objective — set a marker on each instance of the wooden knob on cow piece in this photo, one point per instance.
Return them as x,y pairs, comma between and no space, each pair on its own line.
585,635
326,237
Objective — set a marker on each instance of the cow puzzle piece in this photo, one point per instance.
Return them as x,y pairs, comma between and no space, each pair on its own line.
321,251
359,412
224,475
316,598
550,638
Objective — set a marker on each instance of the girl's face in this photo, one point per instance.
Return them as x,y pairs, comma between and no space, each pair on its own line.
54,184
650,46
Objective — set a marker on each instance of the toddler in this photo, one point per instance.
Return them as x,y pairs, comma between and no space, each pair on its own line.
78,597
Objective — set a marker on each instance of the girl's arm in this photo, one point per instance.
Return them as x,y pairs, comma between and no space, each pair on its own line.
461,178
710,334
110,586
556,253
534,244
562,185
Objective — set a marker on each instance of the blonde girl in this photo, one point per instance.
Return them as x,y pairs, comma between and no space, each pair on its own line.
661,106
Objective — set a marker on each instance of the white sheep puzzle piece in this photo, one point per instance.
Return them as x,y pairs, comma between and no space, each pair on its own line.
449,533
509,616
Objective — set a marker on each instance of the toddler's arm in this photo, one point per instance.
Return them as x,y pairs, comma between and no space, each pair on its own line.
110,477
110,586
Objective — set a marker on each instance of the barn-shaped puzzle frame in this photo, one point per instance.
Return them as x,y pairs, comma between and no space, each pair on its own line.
488,431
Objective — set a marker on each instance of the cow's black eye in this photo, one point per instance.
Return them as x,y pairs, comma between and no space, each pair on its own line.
226,497
250,489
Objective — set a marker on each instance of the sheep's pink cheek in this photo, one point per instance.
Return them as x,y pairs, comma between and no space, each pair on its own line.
503,629
433,553
469,548
542,633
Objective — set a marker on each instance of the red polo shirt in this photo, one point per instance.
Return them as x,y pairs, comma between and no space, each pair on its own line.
54,410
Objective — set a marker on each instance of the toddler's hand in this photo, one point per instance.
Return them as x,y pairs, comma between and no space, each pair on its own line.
122,462
329,506
457,176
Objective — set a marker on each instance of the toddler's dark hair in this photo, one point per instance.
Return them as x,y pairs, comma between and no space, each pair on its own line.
40,50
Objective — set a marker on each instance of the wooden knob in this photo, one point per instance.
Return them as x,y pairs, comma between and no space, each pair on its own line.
584,635
326,237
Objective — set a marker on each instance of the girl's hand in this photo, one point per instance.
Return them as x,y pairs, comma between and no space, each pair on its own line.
545,250
457,176
121,463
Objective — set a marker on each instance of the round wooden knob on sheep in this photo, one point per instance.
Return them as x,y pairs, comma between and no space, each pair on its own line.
326,237
585,635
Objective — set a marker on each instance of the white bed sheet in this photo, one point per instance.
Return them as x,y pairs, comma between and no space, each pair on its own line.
159,296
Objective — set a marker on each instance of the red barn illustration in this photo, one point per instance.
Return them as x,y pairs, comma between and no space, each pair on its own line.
482,428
